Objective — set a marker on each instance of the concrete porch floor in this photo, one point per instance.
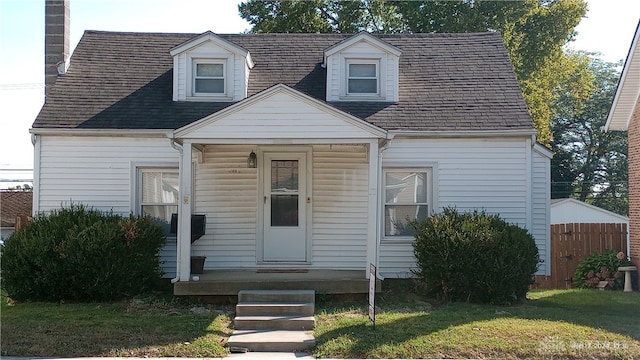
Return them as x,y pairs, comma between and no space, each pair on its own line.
229,282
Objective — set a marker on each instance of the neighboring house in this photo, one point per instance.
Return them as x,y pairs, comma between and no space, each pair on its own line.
625,115
12,205
304,151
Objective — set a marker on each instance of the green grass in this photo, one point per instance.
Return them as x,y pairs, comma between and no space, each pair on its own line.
568,324
151,326
574,324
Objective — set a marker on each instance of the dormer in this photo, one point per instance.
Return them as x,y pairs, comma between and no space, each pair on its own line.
362,68
209,68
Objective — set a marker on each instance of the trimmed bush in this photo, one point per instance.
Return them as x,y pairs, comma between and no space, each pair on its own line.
474,257
601,267
82,254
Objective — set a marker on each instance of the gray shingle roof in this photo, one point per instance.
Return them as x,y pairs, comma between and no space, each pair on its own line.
448,82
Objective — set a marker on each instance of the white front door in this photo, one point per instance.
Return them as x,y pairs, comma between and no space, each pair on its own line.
285,207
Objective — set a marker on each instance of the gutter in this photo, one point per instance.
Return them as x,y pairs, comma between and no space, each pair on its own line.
455,134
102,132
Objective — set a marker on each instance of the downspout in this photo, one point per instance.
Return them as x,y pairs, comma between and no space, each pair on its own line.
384,146
178,261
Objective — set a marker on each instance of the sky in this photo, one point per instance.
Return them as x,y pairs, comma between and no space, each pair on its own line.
607,29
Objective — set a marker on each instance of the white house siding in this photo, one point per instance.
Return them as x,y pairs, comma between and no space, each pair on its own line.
541,193
469,174
281,115
340,181
97,171
226,191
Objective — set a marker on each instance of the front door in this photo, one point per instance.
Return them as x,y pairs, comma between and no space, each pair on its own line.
285,213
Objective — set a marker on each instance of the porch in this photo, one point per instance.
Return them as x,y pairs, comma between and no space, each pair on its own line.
229,282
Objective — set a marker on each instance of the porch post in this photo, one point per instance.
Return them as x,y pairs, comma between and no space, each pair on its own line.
184,212
372,213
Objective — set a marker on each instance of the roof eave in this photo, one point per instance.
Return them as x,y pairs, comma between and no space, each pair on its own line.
620,114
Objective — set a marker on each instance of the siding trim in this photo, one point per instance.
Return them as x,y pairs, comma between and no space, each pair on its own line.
37,149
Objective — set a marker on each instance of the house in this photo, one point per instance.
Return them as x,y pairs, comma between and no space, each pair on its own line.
304,152
625,116
12,205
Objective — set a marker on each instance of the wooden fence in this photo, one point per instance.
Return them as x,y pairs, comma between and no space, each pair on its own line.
570,243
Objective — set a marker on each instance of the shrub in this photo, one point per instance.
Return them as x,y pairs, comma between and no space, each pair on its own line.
601,267
474,257
77,253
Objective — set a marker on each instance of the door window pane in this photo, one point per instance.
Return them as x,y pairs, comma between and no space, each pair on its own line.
284,175
284,210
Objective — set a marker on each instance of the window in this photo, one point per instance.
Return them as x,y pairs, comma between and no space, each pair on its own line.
406,198
159,194
208,78
362,78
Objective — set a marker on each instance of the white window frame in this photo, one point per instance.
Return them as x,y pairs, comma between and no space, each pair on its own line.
429,187
348,77
194,69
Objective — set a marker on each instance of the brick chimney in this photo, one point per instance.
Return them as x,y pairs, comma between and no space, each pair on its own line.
56,41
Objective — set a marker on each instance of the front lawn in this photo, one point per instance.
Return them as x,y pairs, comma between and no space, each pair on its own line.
154,326
575,324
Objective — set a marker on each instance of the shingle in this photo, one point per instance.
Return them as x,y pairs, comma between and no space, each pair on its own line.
447,81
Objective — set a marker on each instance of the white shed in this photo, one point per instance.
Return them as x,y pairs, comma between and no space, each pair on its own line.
564,211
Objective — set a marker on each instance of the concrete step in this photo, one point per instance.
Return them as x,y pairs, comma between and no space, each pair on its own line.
261,308
265,322
270,340
253,296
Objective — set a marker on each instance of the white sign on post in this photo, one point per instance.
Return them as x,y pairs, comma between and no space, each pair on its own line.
372,293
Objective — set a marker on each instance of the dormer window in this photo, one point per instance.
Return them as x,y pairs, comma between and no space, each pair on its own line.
210,68
362,78
208,78
362,68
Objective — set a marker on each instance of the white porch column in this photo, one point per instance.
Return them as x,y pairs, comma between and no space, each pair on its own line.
372,213
184,212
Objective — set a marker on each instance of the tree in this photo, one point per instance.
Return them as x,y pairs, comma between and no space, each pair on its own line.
534,31
589,164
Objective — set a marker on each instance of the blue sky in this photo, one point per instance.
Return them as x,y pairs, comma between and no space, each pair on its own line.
608,29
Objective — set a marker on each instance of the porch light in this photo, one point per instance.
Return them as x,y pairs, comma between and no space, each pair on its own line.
252,160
